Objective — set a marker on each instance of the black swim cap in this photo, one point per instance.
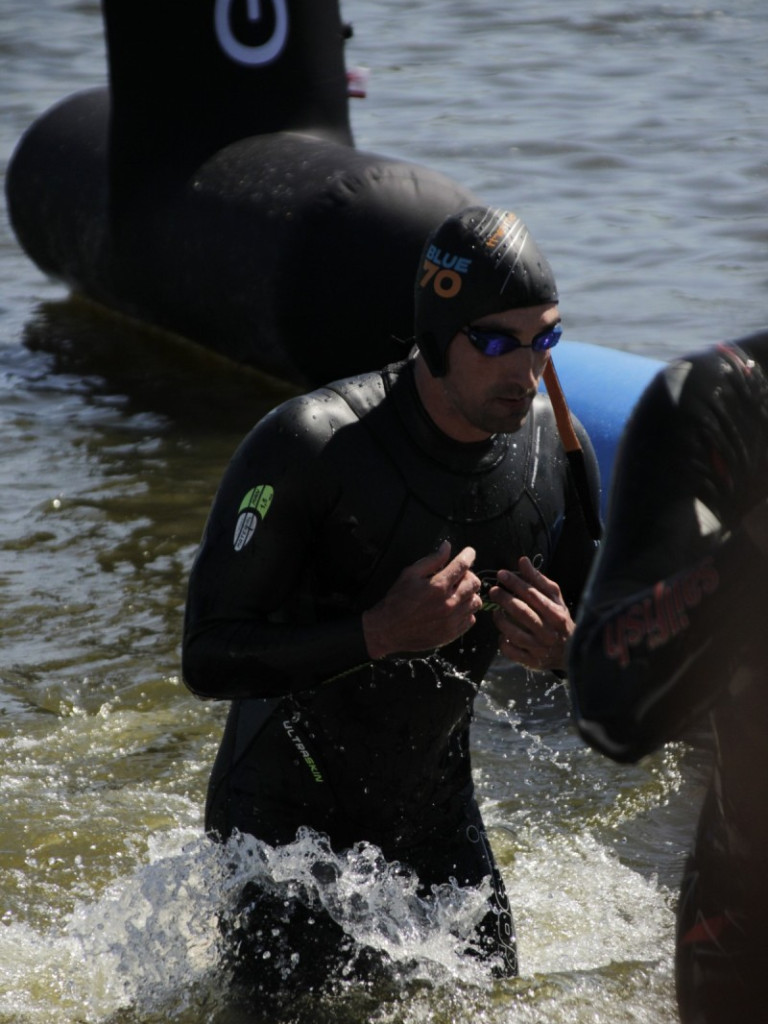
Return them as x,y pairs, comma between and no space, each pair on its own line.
479,261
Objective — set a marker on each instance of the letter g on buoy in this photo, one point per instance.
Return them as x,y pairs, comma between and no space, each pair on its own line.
242,53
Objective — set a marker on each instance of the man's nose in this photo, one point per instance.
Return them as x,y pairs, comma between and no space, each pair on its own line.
527,366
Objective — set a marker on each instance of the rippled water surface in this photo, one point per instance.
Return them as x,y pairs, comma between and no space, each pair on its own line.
632,139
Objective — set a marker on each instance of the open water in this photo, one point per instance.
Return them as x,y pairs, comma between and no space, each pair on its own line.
632,139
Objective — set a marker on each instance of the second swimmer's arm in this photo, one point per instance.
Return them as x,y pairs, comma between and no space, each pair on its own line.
648,663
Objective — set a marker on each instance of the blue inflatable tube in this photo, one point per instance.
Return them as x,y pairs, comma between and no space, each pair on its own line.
602,386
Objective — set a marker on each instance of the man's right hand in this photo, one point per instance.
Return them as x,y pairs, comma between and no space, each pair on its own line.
431,603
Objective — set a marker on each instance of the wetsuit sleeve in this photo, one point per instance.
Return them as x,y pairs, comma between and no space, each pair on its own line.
668,610
251,626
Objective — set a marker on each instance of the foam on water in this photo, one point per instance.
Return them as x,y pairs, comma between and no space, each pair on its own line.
148,946
116,902
145,942
580,909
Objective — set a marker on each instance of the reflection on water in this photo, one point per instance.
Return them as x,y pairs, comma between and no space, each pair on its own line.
117,484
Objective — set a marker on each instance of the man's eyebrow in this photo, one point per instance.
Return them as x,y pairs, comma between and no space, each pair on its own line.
513,332
492,328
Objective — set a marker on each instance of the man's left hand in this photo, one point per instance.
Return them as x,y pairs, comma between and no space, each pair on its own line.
532,618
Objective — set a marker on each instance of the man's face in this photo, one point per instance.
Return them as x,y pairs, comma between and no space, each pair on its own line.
486,395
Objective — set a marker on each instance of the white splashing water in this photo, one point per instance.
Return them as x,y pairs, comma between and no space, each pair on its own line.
591,932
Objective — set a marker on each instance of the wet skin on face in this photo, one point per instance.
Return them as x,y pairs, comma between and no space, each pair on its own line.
484,395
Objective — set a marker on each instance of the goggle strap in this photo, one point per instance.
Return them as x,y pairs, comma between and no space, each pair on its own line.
563,419
573,449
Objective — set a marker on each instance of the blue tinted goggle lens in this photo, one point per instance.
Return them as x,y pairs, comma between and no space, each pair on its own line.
495,343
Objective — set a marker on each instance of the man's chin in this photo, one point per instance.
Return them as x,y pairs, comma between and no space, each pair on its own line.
511,416
505,424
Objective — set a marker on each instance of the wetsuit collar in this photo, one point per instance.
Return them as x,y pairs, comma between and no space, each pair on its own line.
461,456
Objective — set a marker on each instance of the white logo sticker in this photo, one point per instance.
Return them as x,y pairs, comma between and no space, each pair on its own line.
245,529
263,53
253,507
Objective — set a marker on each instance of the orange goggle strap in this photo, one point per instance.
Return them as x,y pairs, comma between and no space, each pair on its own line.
573,449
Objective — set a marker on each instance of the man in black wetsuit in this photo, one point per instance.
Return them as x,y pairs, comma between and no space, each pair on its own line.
370,550
675,625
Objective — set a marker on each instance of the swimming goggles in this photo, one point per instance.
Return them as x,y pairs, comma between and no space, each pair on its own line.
495,343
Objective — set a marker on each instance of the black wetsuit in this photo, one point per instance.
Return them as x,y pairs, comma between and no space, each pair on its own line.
675,624
323,505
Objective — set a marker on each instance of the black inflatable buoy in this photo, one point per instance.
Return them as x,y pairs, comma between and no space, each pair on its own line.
214,189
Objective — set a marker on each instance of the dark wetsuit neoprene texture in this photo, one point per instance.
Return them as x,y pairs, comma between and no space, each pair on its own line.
674,625
325,502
